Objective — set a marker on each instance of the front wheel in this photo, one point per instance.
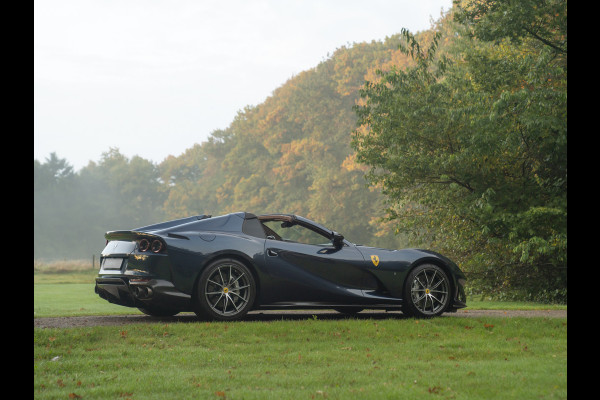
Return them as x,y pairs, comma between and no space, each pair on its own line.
226,291
426,292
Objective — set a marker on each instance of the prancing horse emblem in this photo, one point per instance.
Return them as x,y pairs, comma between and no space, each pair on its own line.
375,260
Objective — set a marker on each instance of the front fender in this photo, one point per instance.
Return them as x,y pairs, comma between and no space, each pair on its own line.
391,267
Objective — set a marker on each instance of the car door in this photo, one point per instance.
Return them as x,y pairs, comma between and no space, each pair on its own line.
305,267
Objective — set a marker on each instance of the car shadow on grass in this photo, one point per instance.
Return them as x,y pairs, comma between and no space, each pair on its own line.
287,315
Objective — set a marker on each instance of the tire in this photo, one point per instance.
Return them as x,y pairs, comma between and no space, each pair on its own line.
226,290
157,312
427,292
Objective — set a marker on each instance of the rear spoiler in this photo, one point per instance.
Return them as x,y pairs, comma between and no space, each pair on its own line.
128,236
173,223
145,231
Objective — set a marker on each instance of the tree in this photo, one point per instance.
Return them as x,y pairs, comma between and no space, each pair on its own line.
469,147
72,211
53,197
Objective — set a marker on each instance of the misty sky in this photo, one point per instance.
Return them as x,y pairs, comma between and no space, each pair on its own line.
153,77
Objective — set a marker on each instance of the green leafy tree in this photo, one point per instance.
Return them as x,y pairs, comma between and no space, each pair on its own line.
469,144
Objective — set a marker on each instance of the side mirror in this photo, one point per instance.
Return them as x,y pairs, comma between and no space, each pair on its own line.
337,240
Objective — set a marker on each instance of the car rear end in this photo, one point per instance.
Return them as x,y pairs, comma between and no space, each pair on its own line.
135,272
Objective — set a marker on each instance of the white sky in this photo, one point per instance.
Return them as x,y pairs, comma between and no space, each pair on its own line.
153,77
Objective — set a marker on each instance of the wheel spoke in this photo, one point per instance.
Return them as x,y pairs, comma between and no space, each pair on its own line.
218,284
221,275
225,303
435,298
233,302
237,279
241,297
430,280
217,302
418,299
437,284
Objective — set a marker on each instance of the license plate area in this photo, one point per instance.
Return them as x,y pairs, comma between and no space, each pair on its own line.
112,263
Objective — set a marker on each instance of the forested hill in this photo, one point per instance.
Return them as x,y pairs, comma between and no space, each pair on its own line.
289,154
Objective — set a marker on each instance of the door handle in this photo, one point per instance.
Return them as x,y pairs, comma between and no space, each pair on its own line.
271,253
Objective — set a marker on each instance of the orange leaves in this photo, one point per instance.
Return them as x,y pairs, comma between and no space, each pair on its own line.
297,156
350,164
434,390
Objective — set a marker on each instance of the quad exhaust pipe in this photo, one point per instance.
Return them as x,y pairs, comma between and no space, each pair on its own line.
141,292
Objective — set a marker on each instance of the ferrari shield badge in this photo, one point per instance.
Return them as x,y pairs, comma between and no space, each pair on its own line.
375,260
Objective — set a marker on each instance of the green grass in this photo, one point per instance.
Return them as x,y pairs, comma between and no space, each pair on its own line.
478,304
67,289
455,358
75,299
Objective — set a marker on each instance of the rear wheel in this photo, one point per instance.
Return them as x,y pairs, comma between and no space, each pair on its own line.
426,291
226,291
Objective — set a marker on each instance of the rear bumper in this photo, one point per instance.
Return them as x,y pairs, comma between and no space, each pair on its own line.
115,290
131,291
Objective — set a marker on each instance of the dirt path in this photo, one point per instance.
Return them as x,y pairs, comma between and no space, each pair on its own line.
70,322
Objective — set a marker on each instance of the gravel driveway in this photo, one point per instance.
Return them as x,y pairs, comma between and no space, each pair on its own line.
69,322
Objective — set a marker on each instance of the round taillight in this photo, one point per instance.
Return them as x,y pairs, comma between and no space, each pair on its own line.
157,246
144,245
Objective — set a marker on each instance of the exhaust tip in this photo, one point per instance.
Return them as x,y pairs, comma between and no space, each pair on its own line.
141,292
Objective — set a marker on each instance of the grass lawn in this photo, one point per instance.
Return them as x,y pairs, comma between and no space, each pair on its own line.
70,293
515,358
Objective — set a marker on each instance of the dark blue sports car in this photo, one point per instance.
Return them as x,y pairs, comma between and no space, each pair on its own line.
222,267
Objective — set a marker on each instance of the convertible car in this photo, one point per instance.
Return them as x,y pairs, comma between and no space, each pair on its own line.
222,267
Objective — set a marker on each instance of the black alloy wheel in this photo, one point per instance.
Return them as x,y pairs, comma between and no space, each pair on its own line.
426,292
226,291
